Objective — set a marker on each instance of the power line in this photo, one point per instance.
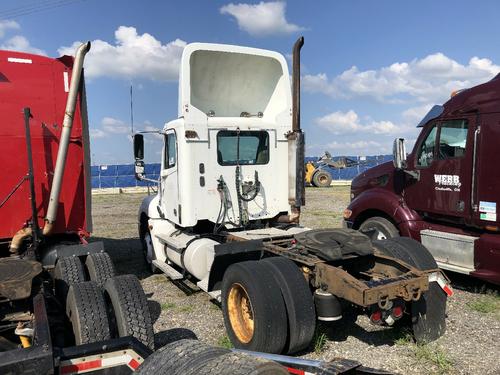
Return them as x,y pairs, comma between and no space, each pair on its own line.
39,6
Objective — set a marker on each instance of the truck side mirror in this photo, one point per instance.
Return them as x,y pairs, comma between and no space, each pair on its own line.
138,146
399,153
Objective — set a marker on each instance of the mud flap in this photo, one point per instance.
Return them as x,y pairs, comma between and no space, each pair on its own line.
428,315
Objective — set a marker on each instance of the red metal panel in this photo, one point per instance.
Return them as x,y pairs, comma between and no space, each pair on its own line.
38,82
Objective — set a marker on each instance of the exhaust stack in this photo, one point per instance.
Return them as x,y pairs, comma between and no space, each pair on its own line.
65,136
297,134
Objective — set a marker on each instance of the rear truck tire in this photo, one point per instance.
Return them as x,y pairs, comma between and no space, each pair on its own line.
100,267
68,271
429,312
298,299
253,308
86,310
239,364
384,229
128,309
178,357
322,178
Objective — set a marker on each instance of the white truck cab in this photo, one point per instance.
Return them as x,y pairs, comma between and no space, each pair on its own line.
227,210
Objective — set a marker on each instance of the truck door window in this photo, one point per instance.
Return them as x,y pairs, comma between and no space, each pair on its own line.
452,139
170,151
253,147
425,155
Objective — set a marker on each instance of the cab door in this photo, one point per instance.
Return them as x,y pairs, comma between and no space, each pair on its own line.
169,179
444,160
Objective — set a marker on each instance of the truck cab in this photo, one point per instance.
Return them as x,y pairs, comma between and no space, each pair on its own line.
444,193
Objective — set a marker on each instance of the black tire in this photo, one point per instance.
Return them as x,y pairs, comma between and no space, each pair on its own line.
86,310
129,310
239,364
100,267
177,357
299,302
429,312
68,271
145,237
321,178
261,323
383,227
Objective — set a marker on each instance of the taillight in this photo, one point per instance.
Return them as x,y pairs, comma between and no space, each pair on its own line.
376,317
397,312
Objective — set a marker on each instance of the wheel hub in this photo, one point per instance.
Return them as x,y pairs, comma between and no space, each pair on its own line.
241,314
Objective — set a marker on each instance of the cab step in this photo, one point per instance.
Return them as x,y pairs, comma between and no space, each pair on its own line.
171,272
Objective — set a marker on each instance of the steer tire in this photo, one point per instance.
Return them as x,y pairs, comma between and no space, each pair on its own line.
68,271
321,179
253,308
86,310
239,364
180,357
429,312
298,302
100,267
383,228
128,309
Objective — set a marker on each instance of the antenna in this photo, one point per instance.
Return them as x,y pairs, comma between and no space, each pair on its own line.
131,110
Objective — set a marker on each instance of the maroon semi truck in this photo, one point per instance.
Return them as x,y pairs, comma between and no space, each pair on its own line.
446,191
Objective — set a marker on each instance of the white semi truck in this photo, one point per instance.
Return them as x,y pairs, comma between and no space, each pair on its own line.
228,205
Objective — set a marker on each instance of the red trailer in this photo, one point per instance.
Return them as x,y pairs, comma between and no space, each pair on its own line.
42,85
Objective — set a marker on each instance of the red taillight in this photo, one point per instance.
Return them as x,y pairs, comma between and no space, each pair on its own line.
397,312
376,317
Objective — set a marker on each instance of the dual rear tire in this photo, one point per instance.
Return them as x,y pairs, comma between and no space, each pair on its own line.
267,306
104,307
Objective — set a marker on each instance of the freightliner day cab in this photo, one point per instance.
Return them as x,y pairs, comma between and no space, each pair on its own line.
228,207
445,193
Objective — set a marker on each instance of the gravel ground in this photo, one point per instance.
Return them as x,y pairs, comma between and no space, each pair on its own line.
471,344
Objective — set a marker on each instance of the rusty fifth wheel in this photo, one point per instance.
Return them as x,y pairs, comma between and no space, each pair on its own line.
253,307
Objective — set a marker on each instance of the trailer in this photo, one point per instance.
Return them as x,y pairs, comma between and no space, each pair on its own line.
228,208
444,193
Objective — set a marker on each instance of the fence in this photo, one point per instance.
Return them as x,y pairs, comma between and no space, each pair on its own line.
122,175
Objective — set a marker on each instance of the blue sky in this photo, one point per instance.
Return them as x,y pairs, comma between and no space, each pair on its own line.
371,69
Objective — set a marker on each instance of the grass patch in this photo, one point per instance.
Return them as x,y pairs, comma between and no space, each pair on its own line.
486,304
435,356
319,340
186,309
224,342
167,306
404,338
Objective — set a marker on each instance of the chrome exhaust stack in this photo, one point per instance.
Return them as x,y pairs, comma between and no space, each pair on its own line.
65,137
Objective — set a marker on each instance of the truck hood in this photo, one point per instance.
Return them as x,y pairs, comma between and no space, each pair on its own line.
373,177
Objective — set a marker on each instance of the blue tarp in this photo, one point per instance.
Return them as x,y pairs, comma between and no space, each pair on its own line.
122,175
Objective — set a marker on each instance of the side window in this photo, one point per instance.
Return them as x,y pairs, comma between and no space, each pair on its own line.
452,139
425,155
170,151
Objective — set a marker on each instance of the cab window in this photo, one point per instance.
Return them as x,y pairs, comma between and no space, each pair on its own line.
170,152
452,139
425,155
242,147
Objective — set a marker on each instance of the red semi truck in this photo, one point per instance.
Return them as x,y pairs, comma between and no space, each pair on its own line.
445,193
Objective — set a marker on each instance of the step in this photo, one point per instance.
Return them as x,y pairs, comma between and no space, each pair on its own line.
203,285
171,272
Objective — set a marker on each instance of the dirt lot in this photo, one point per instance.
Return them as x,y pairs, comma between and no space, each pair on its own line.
471,344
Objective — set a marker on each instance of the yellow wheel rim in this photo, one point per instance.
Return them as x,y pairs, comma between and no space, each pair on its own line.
240,312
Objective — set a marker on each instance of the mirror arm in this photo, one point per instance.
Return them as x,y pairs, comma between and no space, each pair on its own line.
413,174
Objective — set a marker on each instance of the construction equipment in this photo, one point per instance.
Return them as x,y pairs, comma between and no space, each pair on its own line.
228,207
445,192
318,172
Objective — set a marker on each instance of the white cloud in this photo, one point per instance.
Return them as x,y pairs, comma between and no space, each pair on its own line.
97,133
430,79
132,55
111,125
262,19
415,114
348,122
7,25
21,44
